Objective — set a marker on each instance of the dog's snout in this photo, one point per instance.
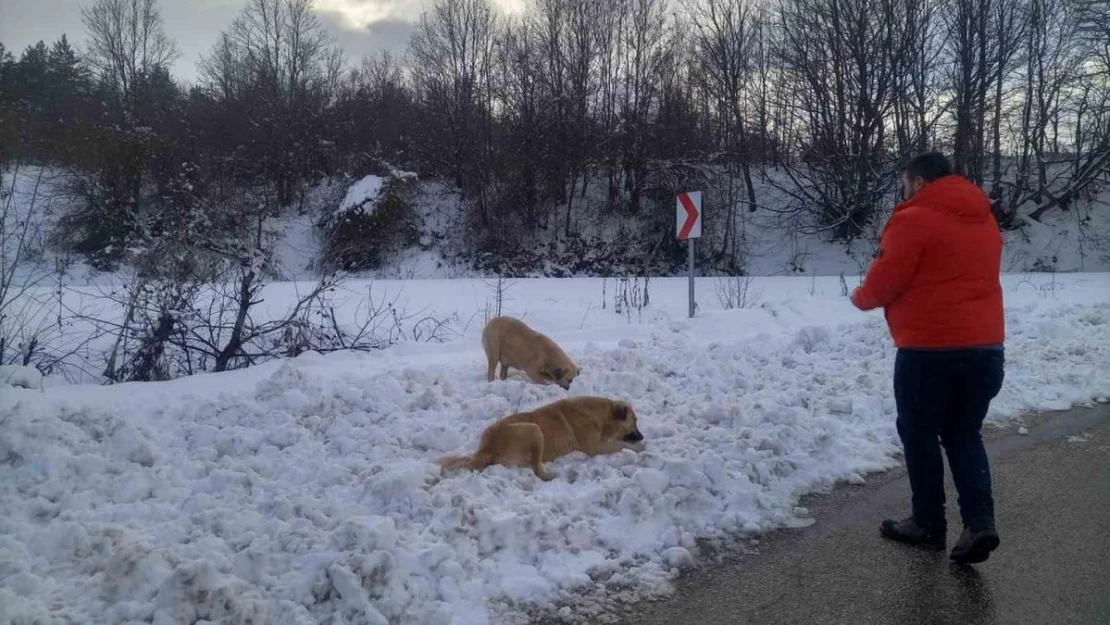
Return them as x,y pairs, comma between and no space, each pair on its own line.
634,436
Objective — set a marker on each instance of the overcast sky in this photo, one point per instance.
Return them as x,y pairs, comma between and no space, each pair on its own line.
360,26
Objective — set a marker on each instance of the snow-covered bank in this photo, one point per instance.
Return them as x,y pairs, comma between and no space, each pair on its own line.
773,243
302,491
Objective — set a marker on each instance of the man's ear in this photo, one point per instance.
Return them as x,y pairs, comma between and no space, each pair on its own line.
620,411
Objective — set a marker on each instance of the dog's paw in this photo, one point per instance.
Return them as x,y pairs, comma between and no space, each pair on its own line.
546,476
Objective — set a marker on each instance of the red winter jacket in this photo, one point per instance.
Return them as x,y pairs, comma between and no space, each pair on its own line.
937,270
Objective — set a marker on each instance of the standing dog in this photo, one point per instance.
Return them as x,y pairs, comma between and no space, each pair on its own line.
592,425
511,343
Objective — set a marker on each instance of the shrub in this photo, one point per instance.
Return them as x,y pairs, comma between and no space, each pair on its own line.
362,234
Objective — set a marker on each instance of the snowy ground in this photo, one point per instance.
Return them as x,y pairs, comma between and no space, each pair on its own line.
303,491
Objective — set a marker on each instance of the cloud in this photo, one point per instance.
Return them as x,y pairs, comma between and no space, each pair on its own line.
359,14
388,34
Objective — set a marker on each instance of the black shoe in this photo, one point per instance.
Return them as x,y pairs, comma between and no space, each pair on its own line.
975,547
908,531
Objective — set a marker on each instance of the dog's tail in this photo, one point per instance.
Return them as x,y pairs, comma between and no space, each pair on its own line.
455,463
476,462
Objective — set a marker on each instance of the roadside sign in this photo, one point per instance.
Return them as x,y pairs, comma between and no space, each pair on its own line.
688,225
688,215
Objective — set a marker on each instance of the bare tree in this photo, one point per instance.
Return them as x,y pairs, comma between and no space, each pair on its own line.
130,54
192,304
1010,24
647,51
915,113
968,30
611,23
1093,110
1066,107
452,54
20,238
567,42
127,42
841,59
528,128
725,50
279,68
374,113
1051,71
984,38
278,46
35,323
1093,18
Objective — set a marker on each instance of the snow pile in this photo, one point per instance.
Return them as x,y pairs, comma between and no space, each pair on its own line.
303,491
20,376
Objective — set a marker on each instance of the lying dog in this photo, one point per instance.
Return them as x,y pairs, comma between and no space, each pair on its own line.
592,425
511,343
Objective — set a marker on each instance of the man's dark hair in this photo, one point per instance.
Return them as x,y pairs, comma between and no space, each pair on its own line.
929,166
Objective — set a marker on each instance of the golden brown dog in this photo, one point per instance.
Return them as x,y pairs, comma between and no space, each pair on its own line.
511,343
592,425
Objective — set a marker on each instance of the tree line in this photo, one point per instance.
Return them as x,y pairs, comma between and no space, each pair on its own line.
802,107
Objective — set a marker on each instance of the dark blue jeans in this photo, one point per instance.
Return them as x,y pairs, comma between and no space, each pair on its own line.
942,398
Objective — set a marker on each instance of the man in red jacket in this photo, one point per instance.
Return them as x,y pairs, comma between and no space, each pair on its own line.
936,276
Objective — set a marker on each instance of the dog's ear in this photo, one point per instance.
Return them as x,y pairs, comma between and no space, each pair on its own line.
620,411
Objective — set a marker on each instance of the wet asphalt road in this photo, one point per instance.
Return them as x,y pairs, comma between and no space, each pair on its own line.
1053,567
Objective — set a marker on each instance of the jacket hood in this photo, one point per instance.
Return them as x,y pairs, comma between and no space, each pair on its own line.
955,196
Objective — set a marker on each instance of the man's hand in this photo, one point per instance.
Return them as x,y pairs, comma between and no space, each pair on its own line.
855,301
863,300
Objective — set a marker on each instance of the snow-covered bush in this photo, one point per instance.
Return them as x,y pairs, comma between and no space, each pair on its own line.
374,219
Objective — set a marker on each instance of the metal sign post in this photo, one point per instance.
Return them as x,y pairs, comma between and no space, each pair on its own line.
688,225
690,246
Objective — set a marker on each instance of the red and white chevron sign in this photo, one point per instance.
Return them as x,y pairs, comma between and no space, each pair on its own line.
688,215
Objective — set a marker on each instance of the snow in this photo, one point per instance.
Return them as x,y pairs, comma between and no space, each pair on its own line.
297,247
20,376
304,490
773,244
362,192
